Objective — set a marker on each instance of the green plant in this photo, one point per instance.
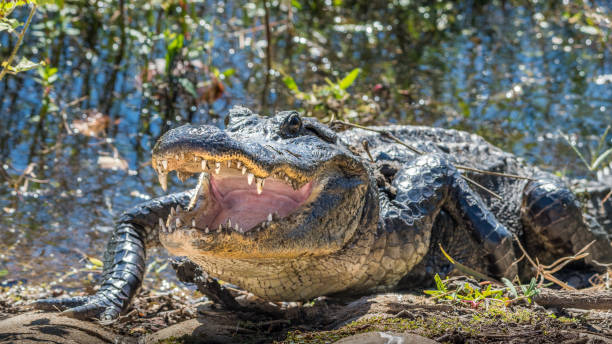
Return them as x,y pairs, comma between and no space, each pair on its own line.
466,293
597,156
10,26
331,96
528,291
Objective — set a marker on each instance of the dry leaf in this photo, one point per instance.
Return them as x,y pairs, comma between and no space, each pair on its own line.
94,124
211,91
112,163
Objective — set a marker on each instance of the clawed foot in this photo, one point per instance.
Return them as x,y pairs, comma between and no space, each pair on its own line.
99,306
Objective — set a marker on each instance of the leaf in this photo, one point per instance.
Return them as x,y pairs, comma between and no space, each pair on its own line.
112,163
188,86
602,139
349,79
439,284
601,159
575,150
532,290
7,7
290,83
95,261
229,72
510,286
589,30
93,125
3,273
24,65
575,18
296,4
9,24
176,44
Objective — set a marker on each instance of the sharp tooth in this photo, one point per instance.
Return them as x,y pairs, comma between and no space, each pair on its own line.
193,223
236,227
172,211
178,222
163,180
229,163
238,164
179,209
243,170
260,184
229,223
286,178
199,190
219,230
165,164
207,230
250,177
161,225
204,164
270,217
217,167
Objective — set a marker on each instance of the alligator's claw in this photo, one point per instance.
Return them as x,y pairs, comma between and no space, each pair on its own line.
98,306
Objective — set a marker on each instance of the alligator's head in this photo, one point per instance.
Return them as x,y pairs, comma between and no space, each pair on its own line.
279,187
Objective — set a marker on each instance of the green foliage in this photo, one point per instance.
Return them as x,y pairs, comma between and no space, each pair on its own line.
10,25
528,291
598,155
349,79
466,293
47,75
175,43
474,296
330,97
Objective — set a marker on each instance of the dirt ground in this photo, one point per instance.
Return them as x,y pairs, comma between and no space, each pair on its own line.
184,316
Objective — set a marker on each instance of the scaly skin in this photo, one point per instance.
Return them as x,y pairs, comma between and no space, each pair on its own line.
364,225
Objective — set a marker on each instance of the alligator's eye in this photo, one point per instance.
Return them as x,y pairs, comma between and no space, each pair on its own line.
292,124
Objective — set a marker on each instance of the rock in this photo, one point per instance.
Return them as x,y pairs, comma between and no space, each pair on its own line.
36,327
385,338
209,327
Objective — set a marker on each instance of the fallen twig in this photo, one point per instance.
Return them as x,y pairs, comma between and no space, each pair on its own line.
544,272
574,299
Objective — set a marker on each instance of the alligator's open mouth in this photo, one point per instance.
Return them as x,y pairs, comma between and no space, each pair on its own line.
229,196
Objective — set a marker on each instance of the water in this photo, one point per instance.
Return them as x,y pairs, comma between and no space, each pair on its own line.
518,75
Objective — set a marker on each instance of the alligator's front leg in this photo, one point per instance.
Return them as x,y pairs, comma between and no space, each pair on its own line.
429,184
124,261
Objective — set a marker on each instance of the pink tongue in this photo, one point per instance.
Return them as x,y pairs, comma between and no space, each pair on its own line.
242,205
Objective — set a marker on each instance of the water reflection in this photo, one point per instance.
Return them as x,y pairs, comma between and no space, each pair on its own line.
514,72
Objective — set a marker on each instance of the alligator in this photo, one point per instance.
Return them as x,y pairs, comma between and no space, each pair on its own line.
289,210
